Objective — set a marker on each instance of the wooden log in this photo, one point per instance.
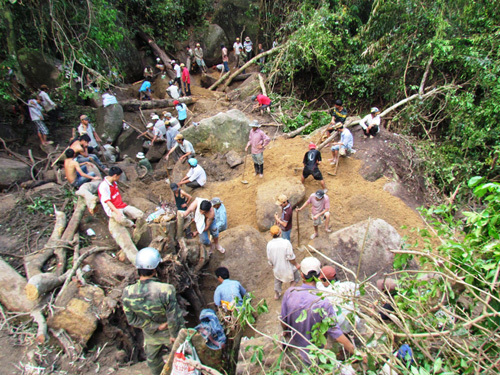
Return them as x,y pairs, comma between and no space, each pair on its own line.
122,237
298,131
134,105
12,287
43,283
161,54
242,77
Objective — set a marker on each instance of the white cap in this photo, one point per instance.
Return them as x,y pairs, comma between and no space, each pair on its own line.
149,126
310,264
158,59
140,155
155,117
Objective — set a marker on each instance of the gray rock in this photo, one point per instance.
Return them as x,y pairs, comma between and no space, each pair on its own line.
267,194
233,159
220,133
211,41
345,247
236,15
206,81
373,169
13,171
249,87
38,68
128,143
110,120
156,151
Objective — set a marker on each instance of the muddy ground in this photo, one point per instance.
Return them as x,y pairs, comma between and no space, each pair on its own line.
352,197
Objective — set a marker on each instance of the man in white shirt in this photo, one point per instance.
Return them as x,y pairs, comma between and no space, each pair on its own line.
196,176
281,258
173,90
177,70
370,123
37,117
159,124
183,149
236,47
86,127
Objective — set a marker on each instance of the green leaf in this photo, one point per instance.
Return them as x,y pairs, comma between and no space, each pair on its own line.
438,363
302,316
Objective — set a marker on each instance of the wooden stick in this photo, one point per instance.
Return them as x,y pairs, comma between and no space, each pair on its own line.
138,130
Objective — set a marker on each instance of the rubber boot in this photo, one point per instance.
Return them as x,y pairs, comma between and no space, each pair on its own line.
256,168
261,169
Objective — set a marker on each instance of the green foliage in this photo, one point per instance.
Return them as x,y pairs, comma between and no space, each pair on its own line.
249,311
41,205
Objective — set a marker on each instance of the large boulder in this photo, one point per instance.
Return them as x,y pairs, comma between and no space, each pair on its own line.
346,247
13,171
267,194
222,132
211,42
238,15
128,144
110,120
156,151
38,68
249,87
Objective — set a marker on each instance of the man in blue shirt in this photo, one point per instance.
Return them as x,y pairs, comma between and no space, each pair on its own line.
228,290
344,147
145,90
220,214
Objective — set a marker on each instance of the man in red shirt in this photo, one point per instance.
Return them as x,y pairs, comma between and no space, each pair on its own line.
186,80
111,200
263,102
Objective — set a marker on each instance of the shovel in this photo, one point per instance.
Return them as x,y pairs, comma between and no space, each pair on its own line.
243,181
300,247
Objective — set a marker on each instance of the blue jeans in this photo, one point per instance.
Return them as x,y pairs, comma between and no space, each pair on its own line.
214,231
286,235
80,180
82,159
226,66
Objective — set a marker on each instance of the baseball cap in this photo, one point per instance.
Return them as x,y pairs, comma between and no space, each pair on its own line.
158,59
215,201
174,186
155,117
320,194
312,146
176,102
179,136
309,264
149,126
197,44
182,65
374,110
84,117
167,114
193,162
275,230
247,38
172,61
237,39
328,272
253,97
281,199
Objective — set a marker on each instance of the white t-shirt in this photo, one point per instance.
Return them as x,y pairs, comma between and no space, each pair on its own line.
197,174
279,255
237,46
369,120
186,147
199,218
157,132
47,104
177,69
173,91
89,132
108,99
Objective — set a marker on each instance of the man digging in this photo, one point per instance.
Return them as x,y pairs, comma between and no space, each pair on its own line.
320,211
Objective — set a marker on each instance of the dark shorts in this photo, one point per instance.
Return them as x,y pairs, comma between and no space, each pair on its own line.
316,173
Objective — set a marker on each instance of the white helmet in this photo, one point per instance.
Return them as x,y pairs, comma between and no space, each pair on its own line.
147,259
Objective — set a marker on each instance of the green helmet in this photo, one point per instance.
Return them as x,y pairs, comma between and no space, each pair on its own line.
147,259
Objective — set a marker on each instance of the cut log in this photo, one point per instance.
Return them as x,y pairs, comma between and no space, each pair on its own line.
122,237
12,289
298,131
42,283
134,105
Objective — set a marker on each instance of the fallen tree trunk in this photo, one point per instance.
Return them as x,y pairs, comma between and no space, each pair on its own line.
134,105
12,287
298,131
161,54
246,65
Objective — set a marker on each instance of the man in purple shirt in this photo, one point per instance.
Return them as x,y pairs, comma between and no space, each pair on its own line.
306,298
258,140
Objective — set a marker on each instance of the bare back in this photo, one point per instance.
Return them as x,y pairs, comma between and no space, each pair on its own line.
70,169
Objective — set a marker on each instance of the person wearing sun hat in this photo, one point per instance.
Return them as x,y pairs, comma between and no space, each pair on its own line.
297,327
281,258
371,123
311,161
143,161
320,210
198,56
248,45
257,141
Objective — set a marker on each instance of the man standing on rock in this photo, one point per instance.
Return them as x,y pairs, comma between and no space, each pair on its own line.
285,219
302,298
204,217
186,80
320,210
339,114
311,161
281,258
152,306
225,58
237,46
198,55
258,140
196,176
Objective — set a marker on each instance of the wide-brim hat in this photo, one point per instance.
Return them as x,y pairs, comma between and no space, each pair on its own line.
140,155
247,39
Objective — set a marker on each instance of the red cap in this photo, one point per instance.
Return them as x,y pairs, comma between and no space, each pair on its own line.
328,272
312,146
176,102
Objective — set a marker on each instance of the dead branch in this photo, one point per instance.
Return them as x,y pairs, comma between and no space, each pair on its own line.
424,78
161,54
19,157
298,131
12,289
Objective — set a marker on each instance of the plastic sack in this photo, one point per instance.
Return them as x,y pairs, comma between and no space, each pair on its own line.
179,366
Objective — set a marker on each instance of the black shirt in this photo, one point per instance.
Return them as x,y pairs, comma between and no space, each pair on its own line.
311,159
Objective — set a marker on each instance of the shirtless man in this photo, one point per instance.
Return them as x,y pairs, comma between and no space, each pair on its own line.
75,174
83,152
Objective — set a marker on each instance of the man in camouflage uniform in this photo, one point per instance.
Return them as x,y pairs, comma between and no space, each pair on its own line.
152,306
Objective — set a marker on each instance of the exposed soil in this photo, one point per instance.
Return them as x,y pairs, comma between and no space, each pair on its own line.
352,197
